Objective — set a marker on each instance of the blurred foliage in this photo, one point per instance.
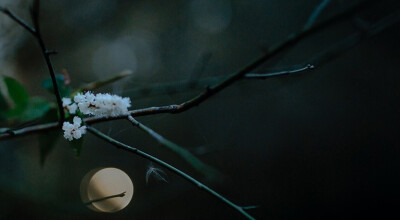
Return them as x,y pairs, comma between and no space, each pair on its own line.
64,89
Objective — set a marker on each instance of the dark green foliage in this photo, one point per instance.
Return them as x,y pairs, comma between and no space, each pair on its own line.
37,108
17,104
17,98
60,79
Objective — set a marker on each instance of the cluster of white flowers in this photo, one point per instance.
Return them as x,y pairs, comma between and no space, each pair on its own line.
69,106
74,130
97,105
102,104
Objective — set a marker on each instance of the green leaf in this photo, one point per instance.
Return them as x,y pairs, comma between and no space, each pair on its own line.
46,144
17,95
64,90
17,92
37,108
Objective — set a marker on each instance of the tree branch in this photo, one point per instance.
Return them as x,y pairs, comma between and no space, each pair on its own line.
185,86
46,53
291,41
273,51
171,168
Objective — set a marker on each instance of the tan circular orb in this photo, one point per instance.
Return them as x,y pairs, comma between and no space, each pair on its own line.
106,189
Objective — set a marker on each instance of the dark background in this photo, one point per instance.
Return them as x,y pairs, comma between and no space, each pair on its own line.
322,144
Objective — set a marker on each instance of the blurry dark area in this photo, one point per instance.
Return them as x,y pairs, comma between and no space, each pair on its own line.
321,144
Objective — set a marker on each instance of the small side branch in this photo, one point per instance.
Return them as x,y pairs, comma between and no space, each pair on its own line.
199,84
180,173
105,198
280,73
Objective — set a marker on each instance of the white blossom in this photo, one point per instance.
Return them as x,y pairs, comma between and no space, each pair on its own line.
102,104
69,106
74,130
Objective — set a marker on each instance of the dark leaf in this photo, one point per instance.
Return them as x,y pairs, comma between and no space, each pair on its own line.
60,79
37,108
18,97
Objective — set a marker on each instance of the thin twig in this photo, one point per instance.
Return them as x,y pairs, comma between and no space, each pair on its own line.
105,198
171,168
21,22
250,207
185,86
35,31
182,152
280,73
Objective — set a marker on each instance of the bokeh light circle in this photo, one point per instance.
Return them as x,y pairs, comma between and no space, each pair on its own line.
101,183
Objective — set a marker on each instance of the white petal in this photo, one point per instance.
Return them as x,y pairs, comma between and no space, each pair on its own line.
77,134
66,101
79,98
82,129
72,108
68,136
77,121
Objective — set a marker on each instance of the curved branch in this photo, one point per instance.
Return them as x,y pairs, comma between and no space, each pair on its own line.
180,173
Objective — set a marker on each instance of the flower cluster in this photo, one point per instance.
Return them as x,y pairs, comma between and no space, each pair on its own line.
69,106
102,104
74,130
